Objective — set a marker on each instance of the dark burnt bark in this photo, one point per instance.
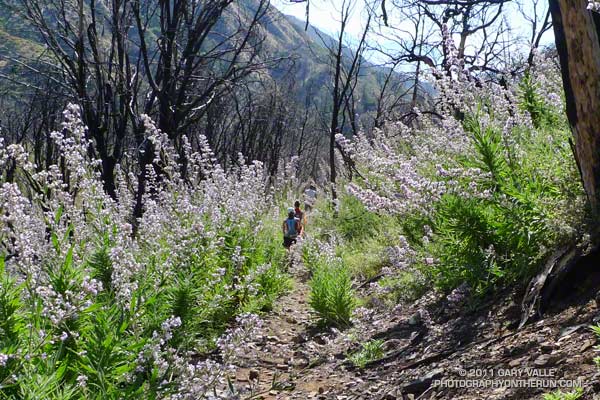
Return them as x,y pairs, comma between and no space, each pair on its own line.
576,33
577,41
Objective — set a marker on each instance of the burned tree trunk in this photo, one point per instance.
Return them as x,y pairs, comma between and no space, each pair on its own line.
577,41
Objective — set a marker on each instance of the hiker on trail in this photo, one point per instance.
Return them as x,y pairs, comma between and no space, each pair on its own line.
291,229
299,216
310,197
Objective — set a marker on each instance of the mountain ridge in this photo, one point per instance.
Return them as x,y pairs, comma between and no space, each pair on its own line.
308,68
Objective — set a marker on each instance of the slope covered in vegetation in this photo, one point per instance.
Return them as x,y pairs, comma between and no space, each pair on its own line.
91,309
480,195
135,265
423,262
456,207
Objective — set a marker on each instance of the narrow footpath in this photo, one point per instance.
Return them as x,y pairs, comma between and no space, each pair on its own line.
289,360
426,340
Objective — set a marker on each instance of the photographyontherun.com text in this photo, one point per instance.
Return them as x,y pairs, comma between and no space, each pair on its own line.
544,378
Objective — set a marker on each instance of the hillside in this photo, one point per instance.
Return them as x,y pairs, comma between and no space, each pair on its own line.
149,254
307,70
16,41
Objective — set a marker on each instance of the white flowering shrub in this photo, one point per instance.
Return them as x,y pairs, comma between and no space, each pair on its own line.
481,192
90,310
593,6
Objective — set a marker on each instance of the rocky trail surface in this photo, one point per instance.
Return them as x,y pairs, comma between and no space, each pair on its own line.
289,351
435,348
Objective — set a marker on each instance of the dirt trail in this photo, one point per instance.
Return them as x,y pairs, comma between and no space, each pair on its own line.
294,360
288,361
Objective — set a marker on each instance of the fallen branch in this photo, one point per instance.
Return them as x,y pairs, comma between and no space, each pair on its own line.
449,352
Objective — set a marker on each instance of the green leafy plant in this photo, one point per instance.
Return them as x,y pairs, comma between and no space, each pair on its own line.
532,102
560,395
501,236
365,260
489,150
405,286
370,351
352,223
331,294
101,265
271,284
596,330
104,357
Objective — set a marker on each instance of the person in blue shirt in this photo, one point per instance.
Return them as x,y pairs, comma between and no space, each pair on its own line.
291,228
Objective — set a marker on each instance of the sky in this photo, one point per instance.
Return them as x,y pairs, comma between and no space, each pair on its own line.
325,15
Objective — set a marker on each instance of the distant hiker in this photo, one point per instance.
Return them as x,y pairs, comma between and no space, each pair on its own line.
299,216
310,197
291,228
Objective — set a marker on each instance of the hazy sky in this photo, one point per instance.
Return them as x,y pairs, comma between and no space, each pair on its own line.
325,15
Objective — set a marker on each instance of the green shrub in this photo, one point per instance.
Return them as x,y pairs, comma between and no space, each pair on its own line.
532,102
363,260
370,351
559,395
483,242
489,150
405,286
331,294
352,223
271,283
411,227
12,326
502,236
205,290
104,356
596,330
100,263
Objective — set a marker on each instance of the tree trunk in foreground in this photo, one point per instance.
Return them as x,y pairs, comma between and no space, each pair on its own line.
576,33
